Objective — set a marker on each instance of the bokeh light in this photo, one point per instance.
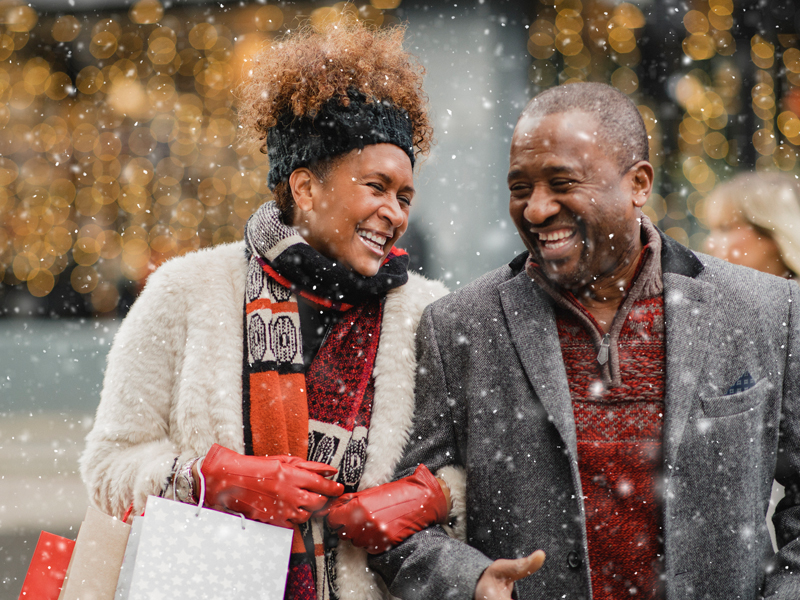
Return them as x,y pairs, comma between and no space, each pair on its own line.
127,154
119,144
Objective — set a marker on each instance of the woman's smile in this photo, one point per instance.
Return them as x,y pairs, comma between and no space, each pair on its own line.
374,241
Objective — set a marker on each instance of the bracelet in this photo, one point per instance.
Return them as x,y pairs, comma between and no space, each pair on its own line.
170,478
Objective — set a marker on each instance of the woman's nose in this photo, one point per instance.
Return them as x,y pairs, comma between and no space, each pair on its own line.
540,207
391,211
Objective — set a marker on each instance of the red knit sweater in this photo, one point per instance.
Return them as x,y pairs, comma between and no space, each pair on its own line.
619,449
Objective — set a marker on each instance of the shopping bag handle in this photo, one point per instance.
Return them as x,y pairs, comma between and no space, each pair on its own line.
202,487
127,513
203,494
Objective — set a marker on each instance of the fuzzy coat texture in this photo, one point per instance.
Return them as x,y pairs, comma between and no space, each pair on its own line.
173,387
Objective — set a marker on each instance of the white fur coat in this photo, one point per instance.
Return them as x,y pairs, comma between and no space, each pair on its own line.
173,387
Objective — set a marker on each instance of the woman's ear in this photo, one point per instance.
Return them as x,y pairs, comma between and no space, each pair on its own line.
300,184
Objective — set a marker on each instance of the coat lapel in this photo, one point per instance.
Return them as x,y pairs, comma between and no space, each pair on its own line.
689,325
532,325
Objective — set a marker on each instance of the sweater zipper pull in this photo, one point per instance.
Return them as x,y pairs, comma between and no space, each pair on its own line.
602,356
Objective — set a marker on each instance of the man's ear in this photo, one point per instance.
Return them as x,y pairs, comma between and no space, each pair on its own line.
642,176
300,183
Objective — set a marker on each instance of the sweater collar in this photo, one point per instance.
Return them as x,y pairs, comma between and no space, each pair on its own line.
647,282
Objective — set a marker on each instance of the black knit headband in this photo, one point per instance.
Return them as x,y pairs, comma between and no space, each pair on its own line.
296,142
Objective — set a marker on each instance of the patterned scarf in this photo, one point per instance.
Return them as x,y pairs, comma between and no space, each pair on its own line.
321,412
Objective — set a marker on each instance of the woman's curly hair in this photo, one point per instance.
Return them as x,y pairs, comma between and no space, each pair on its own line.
303,70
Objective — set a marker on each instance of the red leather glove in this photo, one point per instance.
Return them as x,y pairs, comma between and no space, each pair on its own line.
381,517
279,490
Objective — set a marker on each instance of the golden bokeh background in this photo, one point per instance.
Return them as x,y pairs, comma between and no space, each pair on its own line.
119,143
109,168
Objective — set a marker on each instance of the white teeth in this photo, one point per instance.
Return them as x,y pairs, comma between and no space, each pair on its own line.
377,239
558,244
554,236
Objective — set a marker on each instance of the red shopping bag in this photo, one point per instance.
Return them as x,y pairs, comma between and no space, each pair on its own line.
48,568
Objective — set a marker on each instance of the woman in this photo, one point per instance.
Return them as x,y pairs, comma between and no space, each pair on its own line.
272,365
755,221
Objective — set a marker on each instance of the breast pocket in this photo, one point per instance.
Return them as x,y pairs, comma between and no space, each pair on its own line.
735,404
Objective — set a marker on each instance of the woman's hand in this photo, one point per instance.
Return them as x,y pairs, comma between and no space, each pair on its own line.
279,490
497,581
381,517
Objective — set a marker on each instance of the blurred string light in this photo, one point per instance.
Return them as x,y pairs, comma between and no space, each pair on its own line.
574,40
711,95
118,137
598,40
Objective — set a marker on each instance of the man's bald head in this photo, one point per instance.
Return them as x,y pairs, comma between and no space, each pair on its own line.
620,124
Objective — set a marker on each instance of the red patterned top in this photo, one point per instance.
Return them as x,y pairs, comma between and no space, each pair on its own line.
619,449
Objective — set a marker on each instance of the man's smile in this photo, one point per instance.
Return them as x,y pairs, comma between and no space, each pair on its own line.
556,243
553,240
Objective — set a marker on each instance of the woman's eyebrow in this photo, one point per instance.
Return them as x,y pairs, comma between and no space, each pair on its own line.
387,179
380,175
408,189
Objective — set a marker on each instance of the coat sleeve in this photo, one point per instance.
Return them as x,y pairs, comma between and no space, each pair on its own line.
129,454
783,575
431,564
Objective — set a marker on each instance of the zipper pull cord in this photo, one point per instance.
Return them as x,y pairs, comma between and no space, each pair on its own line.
602,356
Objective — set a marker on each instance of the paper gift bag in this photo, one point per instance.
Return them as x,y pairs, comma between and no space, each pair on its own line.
96,561
48,568
181,551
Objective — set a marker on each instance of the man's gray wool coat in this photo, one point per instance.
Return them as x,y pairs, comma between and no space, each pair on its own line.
492,395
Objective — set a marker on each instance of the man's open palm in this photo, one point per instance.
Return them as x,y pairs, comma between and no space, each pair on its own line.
497,581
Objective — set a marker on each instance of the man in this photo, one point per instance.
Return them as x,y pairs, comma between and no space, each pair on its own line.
616,400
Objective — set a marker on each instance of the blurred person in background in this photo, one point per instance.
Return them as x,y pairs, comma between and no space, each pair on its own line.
755,221
281,368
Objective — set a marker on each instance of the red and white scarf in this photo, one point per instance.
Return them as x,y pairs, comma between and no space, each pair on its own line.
321,411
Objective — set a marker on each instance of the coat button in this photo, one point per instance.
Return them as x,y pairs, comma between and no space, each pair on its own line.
574,560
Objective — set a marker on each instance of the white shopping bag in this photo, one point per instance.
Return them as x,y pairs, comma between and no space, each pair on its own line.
182,551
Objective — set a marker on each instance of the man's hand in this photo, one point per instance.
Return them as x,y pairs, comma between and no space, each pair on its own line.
497,581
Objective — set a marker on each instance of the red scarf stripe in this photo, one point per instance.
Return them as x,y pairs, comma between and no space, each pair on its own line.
395,251
276,307
313,297
319,300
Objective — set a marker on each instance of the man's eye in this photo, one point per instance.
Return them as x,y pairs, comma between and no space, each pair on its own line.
563,182
405,200
376,186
